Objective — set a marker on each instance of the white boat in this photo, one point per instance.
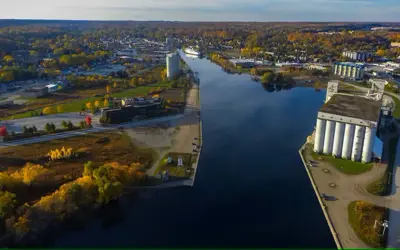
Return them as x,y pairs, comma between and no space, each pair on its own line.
192,51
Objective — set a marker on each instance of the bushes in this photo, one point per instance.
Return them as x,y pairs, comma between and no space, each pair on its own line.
29,130
7,204
61,154
50,127
6,181
29,173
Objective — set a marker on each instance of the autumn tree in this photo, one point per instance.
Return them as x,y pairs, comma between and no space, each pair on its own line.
59,108
8,59
7,204
133,82
115,85
89,105
29,173
48,110
106,103
268,77
254,71
97,104
163,74
108,89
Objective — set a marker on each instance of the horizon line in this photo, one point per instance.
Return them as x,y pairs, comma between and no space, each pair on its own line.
177,21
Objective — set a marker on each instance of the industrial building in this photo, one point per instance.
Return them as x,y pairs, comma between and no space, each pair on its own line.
172,65
125,110
244,63
346,124
357,55
352,71
34,92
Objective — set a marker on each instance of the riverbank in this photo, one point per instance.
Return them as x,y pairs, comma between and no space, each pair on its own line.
184,138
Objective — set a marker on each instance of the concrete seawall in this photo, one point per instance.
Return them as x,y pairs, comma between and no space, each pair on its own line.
333,231
198,156
195,165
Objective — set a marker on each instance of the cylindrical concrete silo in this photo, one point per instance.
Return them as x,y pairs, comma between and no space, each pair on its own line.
369,138
358,143
328,139
338,139
348,141
319,135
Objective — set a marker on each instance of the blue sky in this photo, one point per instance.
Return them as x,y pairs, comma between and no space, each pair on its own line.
205,10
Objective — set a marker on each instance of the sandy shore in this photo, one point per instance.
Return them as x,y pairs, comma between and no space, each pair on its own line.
174,136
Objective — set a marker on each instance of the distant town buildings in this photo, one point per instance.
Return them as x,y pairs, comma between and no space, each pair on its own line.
172,65
3,88
55,86
126,52
170,42
244,63
34,92
21,55
113,45
378,82
395,45
352,71
357,55
346,125
318,67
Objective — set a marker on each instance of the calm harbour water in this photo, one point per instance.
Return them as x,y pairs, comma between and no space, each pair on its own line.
251,187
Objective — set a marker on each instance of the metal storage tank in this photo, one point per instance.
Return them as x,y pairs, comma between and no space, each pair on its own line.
328,139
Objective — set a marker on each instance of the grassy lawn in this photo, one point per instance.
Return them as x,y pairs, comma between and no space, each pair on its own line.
142,90
345,166
99,148
76,105
362,216
383,186
173,169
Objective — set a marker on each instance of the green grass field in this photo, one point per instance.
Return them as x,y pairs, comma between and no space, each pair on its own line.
76,106
173,169
362,216
345,166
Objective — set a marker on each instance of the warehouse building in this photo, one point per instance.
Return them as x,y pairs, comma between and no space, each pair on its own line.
346,126
357,55
352,71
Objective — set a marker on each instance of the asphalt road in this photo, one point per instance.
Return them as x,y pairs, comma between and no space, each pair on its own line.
40,121
144,123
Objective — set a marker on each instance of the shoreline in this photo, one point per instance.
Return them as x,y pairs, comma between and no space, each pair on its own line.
195,165
348,188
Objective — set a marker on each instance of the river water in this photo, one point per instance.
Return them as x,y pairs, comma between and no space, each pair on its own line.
251,187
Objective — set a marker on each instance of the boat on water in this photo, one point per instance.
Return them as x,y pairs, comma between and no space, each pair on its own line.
192,51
